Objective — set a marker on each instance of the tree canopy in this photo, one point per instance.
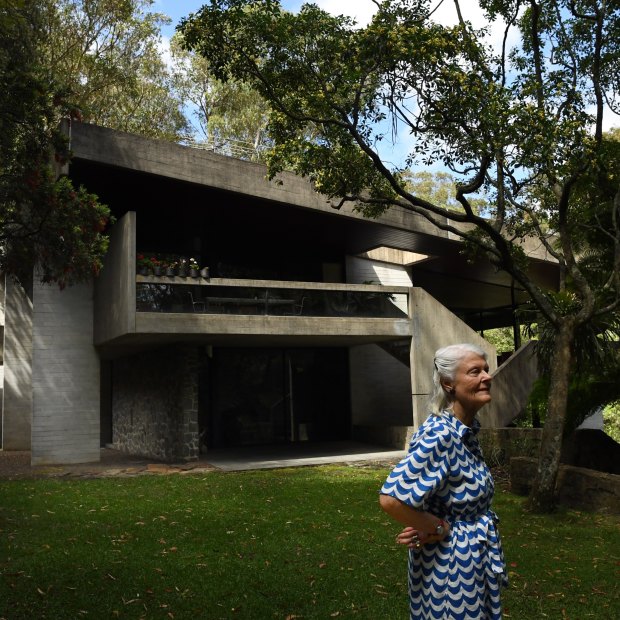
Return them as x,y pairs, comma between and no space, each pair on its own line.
522,124
228,117
44,221
106,55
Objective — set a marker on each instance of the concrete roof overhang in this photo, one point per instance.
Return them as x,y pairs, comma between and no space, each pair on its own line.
131,172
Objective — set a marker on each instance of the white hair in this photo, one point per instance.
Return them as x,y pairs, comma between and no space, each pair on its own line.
446,362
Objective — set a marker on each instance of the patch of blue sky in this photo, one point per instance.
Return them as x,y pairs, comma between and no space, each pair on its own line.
393,148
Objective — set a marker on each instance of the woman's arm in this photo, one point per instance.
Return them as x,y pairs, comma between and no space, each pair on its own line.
420,525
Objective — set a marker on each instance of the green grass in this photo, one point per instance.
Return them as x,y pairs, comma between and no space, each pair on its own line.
297,543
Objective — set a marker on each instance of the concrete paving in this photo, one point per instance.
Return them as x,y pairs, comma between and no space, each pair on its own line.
298,455
16,465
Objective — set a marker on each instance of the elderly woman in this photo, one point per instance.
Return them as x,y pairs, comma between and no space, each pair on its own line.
442,492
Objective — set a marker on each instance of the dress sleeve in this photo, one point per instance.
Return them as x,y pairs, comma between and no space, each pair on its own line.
423,471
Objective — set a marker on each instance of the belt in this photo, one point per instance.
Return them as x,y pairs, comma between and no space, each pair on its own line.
484,529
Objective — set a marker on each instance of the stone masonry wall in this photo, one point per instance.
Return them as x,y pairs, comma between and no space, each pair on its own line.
576,487
155,403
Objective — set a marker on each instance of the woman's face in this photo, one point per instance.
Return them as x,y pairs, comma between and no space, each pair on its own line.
472,383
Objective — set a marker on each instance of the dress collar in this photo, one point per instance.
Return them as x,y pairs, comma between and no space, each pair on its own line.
462,429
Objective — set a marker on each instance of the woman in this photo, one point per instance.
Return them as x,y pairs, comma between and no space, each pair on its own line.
442,491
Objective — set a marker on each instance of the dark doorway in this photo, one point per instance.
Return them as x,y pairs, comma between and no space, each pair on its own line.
271,396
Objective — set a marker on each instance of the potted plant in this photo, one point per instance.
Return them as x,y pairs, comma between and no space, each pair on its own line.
158,269
144,265
183,267
171,267
204,273
194,269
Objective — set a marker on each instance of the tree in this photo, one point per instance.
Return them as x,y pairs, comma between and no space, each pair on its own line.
44,221
523,125
439,188
231,117
106,56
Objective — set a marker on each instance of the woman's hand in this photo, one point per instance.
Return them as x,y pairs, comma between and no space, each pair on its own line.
414,539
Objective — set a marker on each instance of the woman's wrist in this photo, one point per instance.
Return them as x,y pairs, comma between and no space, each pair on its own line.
440,528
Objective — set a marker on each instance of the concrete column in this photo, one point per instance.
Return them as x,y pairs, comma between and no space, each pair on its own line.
17,393
66,376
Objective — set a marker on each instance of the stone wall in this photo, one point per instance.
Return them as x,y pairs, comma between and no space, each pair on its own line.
576,487
155,403
588,448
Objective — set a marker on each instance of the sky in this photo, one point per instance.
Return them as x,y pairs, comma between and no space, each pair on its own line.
361,11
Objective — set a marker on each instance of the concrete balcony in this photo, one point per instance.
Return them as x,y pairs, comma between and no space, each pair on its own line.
134,311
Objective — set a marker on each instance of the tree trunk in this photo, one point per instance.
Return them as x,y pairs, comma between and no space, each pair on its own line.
542,497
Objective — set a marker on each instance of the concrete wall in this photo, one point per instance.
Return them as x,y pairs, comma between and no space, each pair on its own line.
155,403
361,270
512,384
115,288
380,384
380,388
434,326
17,393
65,378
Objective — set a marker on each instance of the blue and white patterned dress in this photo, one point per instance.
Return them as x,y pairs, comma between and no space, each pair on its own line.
444,473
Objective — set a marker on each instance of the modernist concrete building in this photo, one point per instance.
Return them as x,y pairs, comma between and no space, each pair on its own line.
314,324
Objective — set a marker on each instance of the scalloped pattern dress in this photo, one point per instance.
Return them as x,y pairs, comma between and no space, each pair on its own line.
444,472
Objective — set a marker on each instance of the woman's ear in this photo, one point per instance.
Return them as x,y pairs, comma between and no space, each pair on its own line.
448,388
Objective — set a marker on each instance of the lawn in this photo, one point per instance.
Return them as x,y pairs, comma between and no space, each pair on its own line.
286,544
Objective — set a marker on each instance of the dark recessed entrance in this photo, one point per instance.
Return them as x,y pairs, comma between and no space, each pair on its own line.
275,396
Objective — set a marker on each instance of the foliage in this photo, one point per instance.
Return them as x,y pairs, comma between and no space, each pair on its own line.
587,393
307,542
524,126
502,338
594,344
106,55
438,188
611,420
230,117
44,222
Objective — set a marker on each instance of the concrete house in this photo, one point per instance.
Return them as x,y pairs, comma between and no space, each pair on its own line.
314,324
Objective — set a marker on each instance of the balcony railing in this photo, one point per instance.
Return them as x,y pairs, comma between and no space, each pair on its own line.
173,295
